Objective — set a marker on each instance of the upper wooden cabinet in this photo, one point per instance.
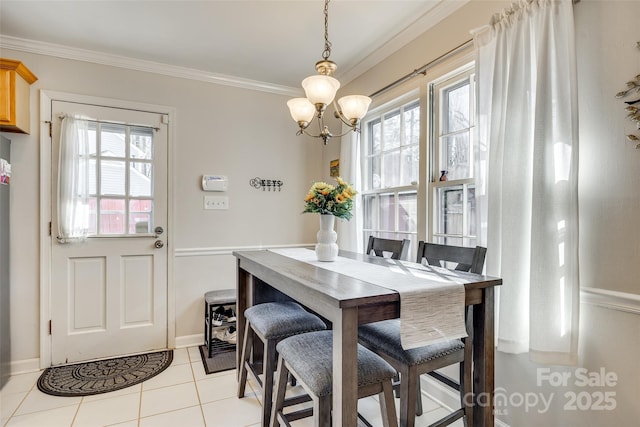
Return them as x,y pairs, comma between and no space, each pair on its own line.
15,81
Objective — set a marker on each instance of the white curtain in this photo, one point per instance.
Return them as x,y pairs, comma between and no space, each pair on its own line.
73,180
527,164
350,232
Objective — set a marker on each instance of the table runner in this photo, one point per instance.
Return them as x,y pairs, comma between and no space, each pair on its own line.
431,302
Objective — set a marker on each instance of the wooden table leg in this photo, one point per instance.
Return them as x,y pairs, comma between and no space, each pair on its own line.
242,292
345,369
483,360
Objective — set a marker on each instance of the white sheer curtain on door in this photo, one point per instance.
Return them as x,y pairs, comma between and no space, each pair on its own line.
350,232
527,163
73,180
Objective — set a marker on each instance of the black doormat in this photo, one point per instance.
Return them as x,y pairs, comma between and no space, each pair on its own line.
103,376
219,361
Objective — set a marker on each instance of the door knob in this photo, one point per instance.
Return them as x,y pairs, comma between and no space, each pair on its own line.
159,244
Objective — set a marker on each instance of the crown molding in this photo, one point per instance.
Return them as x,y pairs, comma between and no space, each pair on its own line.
66,52
430,18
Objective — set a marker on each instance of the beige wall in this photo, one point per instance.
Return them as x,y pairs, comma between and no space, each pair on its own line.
212,136
606,34
210,139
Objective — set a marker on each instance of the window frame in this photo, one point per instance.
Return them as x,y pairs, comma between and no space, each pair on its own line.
436,115
411,99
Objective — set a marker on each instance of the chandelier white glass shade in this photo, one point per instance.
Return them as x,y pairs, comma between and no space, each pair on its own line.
320,91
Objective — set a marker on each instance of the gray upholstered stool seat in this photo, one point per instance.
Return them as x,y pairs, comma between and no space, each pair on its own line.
309,358
213,300
271,322
282,319
385,336
220,297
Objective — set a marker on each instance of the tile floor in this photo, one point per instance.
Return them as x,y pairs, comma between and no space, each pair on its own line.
183,395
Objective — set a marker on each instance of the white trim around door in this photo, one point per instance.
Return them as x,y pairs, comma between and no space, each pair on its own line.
46,98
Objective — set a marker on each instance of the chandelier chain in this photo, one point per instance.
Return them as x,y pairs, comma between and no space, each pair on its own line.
327,44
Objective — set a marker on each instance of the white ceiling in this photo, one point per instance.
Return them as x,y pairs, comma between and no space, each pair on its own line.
276,42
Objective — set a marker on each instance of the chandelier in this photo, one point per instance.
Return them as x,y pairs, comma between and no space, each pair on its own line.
320,91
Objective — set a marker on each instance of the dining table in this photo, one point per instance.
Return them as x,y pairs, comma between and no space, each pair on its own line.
346,302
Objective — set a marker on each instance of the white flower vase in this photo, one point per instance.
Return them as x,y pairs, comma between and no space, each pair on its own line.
326,248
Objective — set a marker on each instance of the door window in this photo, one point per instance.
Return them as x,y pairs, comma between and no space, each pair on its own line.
121,179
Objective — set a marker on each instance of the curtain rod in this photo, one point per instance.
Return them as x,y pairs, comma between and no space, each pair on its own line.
423,70
62,116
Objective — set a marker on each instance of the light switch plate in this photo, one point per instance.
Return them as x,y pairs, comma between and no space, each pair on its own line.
216,202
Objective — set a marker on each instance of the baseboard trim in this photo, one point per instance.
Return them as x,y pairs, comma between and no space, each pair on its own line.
613,300
189,340
228,250
24,366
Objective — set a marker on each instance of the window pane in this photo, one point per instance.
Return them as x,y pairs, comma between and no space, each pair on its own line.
370,219
456,115
112,216
140,179
407,212
373,180
393,236
112,140
455,153
471,211
93,216
141,146
92,138
392,130
469,243
410,164
112,177
451,241
412,125
391,169
92,176
140,216
387,212
450,207
375,135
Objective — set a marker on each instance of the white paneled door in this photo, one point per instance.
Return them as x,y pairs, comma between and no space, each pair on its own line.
109,292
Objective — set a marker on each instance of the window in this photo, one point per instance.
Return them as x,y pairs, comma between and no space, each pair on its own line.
120,179
453,186
390,163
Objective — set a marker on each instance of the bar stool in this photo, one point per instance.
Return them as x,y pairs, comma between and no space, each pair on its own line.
212,300
271,322
309,358
384,339
398,249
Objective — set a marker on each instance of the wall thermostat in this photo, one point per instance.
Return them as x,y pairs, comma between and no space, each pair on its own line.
215,183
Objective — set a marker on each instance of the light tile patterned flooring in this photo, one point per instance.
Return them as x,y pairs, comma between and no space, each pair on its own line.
183,395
